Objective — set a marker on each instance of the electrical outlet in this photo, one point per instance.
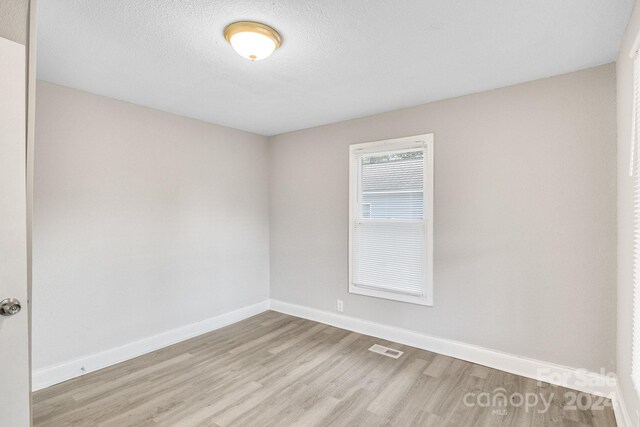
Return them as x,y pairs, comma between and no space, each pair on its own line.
340,306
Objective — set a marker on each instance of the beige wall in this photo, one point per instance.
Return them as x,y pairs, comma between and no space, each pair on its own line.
625,219
143,222
525,218
13,20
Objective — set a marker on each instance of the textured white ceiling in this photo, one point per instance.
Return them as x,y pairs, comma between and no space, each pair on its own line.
340,59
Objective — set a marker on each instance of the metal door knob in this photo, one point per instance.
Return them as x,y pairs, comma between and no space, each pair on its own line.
9,307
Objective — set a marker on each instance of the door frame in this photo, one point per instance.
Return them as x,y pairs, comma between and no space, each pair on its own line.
30,150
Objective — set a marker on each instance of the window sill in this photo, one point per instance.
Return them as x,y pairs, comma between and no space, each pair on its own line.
411,299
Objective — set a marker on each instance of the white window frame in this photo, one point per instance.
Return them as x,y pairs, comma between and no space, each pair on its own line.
419,141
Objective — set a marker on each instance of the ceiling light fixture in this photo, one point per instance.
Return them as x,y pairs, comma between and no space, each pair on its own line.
252,40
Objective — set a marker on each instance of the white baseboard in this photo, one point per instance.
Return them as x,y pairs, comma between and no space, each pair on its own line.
620,410
51,375
575,379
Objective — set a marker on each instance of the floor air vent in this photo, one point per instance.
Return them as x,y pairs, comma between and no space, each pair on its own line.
386,351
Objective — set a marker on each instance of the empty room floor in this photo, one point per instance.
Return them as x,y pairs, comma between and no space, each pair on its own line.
275,369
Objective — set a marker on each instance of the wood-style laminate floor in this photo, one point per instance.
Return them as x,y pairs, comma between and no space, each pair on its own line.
278,370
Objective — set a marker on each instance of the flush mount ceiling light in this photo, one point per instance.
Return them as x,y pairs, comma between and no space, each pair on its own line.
252,40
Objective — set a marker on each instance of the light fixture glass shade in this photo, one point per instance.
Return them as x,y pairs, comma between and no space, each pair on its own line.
252,46
252,40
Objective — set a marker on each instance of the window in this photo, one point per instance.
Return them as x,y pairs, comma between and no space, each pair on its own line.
391,219
634,172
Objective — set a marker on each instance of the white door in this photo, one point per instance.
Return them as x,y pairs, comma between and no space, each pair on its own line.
14,324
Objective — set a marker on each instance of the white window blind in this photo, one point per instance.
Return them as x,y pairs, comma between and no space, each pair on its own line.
391,219
635,156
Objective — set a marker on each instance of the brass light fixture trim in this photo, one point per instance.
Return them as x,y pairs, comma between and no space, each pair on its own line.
252,27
